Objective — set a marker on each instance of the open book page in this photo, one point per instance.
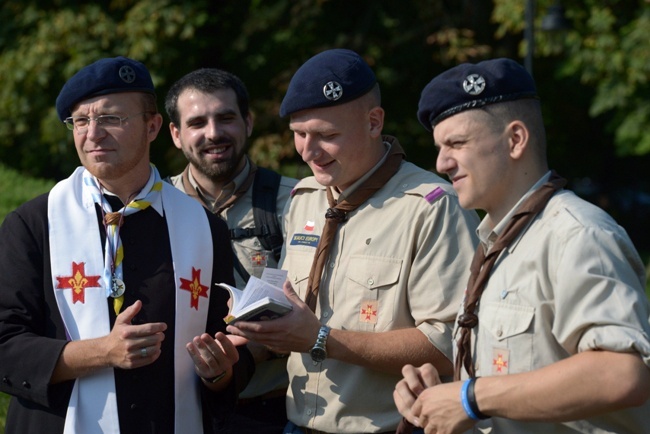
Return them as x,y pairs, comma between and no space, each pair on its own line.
274,276
261,299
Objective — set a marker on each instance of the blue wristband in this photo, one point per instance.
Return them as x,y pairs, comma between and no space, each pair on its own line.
465,401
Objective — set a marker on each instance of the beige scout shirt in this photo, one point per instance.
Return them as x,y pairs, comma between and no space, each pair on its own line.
572,282
401,260
269,375
249,251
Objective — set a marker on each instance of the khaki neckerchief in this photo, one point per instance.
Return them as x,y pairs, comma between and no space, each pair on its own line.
337,213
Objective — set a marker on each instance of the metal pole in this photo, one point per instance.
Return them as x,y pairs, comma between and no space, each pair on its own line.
529,36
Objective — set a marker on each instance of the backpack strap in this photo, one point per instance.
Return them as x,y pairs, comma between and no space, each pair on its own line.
267,227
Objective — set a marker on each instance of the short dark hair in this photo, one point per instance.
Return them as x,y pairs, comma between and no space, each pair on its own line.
528,111
206,80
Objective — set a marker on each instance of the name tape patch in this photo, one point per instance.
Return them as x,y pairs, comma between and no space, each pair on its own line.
305,240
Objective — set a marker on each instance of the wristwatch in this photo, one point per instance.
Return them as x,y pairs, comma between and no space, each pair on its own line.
318,352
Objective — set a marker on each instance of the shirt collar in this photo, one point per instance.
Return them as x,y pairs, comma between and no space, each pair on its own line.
156,200
488,235
348,191
228,190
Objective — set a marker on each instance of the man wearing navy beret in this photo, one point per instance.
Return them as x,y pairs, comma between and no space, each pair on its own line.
377,250
553,336
109,322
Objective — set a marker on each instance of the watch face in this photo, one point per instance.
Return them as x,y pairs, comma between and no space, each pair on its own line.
318,354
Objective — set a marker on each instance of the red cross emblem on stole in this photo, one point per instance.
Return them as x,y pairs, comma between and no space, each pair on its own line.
78,282
195,288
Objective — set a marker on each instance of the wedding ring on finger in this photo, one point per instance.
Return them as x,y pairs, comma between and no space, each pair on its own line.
143,352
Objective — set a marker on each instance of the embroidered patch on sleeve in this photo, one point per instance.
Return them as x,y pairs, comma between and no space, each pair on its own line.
500,361
368,311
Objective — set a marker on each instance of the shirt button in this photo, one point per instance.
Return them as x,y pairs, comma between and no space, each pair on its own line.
134,406
26,385
309,412
405,185
331,264
6,380
326,314
499,333
371,282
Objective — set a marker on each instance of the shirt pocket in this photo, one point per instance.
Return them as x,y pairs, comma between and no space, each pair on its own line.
299,265
506,326
371,291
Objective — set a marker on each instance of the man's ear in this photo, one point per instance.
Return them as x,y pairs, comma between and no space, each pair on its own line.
518,139
249,121
175,133
376,121
153,126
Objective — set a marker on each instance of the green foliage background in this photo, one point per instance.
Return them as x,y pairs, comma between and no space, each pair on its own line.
16,189
593,79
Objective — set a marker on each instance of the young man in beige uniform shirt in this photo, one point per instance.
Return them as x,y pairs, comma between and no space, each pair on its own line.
211,123
561,343
394,274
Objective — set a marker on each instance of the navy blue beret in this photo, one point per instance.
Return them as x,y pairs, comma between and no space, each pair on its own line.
470,86
109,75
329,78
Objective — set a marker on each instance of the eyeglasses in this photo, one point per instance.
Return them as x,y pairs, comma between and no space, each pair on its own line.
80,123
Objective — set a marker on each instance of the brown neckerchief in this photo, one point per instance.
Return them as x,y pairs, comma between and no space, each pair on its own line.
337,213
243,188
480,272
482,266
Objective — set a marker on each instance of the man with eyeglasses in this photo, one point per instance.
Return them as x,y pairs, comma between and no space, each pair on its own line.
109,320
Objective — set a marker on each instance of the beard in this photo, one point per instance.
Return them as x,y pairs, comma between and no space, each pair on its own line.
221,171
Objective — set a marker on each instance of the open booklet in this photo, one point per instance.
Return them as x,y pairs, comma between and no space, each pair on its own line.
261,299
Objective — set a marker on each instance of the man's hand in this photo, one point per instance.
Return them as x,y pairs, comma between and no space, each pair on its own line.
132,346
213,357
127,346
438,410
295,331
427,403
407,390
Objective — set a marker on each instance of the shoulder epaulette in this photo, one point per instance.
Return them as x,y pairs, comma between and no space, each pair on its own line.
308,183
430,192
